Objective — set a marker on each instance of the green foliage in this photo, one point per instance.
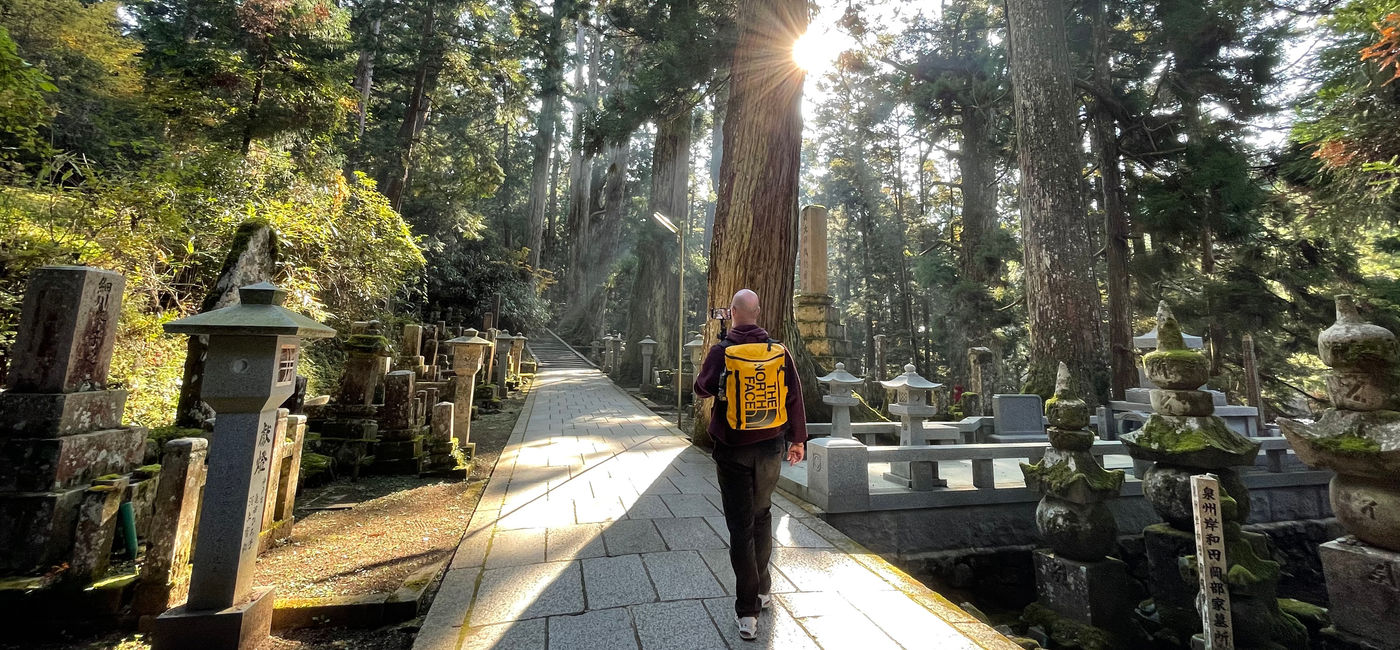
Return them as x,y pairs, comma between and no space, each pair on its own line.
468,275
23,109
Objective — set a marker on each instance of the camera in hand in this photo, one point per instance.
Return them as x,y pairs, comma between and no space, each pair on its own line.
719,313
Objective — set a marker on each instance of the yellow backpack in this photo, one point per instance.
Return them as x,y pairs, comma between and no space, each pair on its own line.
753,386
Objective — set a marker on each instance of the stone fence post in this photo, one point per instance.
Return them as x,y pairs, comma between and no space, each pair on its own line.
837,474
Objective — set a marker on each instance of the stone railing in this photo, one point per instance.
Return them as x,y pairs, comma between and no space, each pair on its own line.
838,476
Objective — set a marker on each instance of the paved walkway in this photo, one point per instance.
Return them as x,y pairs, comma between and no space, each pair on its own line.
601,529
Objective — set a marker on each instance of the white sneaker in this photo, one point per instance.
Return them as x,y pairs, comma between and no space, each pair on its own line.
748,627
765,600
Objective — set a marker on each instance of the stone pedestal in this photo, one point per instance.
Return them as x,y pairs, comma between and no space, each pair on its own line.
165,575
402,428
240,627
1101,594
820,325
1363,583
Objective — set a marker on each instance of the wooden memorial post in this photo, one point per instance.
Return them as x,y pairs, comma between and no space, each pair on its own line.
1214,599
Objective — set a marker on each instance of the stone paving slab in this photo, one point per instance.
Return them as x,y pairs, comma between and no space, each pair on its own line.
602,528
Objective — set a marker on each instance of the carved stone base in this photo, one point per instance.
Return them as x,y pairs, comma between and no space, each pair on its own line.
241,627
1100,593
1363,582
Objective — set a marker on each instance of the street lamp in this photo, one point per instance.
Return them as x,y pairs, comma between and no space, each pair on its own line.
680,306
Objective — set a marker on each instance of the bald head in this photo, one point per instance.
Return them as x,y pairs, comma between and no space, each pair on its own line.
744,307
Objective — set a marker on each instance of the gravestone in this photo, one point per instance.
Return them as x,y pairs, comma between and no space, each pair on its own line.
1075,577
814,310
1017,418
402,427
648,346
469,352
60,426
444,455
1183,437
1359,438
253,350
165,573
504,343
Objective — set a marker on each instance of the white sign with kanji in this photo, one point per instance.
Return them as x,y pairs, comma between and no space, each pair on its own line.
1214,600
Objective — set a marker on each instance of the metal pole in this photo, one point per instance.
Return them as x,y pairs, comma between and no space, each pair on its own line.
680,320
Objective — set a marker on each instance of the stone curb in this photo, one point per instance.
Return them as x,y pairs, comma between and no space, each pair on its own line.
369,611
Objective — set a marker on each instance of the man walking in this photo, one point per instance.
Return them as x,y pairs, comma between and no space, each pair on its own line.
758,419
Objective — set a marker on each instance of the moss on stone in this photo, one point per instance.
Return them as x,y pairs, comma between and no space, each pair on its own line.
108,477
1069,633
1060,477
1181,434
162,435
1348,443
370,343
1310,615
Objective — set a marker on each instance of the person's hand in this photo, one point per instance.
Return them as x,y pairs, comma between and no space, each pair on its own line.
795,453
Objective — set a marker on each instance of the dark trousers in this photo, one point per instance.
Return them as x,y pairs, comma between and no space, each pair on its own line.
747,476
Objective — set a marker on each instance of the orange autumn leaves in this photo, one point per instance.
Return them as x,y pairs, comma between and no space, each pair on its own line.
1386,51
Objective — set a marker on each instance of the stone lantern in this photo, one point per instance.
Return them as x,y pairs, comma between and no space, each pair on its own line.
648,346
251,369
504,344
695,352
912,407
840,394
609,353
468,354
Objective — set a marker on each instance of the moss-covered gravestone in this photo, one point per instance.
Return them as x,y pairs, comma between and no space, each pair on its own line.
1359,438
1075,578
1183,437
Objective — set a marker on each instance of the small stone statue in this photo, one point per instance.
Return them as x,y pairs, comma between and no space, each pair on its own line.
1072,516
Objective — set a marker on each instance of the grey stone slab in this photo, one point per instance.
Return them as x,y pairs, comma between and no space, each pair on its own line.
1018,414
453,599
648,507
907,622
656,485
715,500
777,629
718,561
681,574
599,510
616,581
595,630
688,534
632,536
690,505
516,547
518,635
788,531
574,541
529,591
694,485
683,625
812,569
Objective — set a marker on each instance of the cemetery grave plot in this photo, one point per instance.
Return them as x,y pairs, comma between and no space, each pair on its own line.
367,537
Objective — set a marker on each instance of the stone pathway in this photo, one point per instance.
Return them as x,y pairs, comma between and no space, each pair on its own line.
601,529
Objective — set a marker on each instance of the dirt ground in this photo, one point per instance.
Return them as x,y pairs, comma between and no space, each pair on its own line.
357,538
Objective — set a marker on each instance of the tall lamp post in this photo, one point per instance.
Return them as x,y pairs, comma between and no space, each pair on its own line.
680,306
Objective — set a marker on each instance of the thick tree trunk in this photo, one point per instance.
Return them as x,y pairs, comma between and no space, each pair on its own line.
716,156
977,266
1105,141
754,243
415,117
584,317
543,143
580,178
652,310
1062,299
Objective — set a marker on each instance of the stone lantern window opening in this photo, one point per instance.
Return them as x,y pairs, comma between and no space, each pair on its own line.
287,364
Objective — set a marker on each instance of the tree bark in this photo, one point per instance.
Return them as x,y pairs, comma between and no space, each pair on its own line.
1122,362
977,266
550,89
652,310
1062,300
754,243
716,155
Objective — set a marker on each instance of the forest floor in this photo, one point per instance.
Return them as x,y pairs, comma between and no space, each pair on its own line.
359,538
